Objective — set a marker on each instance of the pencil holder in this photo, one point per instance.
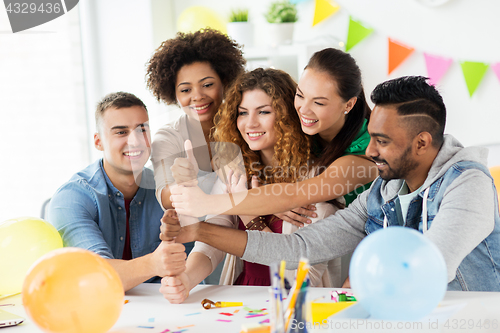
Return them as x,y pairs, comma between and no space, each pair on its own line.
300,321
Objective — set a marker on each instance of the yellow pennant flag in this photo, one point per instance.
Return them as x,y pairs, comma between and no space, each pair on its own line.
323,9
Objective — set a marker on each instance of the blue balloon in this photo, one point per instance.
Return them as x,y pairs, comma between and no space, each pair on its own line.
398,274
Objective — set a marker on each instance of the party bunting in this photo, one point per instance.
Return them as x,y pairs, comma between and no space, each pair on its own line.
496,69
398,53
323,9
436,67
473,74
356,33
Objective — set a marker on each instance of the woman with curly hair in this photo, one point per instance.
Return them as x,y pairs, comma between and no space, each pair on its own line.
331,105
191,70
257,117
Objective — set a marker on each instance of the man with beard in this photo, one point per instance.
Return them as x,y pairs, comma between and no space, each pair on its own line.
428,182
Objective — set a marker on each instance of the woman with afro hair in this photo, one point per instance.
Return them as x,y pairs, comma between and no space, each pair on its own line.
192,71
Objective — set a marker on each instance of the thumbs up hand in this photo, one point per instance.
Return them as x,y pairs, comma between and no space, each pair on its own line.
185,170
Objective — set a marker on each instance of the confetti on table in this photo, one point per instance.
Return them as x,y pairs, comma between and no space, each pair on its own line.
6,304
179,331
224,320
165,331
146,326
192,314
256,315
226,314
265,321
185,326
151,320
236,311
126,301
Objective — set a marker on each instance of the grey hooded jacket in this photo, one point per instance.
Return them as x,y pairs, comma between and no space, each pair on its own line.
462,214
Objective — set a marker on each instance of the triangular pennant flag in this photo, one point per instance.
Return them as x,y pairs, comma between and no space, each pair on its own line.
436,67
496,69
473,74
356,33
397,53
323,9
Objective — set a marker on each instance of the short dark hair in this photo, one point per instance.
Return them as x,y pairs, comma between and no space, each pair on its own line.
116,100
413,96
206,45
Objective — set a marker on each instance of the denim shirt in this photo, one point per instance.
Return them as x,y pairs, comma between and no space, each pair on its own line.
480,269
89,212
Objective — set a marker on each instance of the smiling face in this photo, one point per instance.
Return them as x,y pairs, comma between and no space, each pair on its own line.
124,138
320,108
256,118
199,91
390,146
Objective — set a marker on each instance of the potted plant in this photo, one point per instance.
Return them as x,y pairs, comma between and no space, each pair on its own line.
239,28
281,17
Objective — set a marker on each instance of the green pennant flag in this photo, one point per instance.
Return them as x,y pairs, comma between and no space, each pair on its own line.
473,74
356,33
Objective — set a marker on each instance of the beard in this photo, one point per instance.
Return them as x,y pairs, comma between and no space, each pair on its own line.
400,168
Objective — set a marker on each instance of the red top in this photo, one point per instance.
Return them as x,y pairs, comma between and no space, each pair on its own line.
127,251
257,274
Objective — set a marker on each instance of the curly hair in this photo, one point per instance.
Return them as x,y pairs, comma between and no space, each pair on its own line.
206,45
291,151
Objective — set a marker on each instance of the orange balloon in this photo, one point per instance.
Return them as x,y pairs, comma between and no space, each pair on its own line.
73,290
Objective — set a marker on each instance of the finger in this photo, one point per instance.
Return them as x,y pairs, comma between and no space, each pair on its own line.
171,214
310,207
188,147
229,175
181,163
242,181
291,218
176,189
255,182
305,212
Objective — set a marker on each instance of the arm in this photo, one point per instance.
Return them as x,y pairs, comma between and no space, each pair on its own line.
73,211
339,233
167,260
340,178
464,219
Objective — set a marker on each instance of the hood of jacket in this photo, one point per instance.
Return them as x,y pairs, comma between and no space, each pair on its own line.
451,152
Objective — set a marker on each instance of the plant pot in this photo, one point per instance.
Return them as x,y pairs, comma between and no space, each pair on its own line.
241,32
280,33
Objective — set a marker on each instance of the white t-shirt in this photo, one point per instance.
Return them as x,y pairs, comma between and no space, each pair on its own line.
405,199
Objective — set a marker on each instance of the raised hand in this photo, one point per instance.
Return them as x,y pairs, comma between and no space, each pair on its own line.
185,170
299,216
175,288
190,201
236,182
169,258
171,230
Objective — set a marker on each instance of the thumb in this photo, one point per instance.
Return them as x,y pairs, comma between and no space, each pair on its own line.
255,182
188,147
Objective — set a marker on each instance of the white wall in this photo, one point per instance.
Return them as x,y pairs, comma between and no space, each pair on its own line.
118,38
42,112
460,29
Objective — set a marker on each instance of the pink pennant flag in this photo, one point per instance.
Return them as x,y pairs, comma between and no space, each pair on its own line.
496,69
436,67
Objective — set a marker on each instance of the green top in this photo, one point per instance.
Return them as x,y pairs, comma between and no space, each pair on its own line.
357,147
